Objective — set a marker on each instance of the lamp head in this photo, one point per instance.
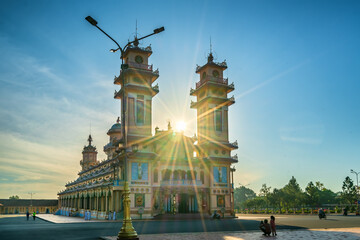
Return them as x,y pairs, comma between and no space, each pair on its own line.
159,30
91,20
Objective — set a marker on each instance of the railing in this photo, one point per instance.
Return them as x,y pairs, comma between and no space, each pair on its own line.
148,48
141,66
180,182
212,79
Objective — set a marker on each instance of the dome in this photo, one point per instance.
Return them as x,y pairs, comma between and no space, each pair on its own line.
116,128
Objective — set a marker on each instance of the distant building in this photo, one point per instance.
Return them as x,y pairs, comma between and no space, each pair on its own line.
15,206
168,172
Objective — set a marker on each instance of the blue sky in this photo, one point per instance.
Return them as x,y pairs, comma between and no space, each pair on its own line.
295,65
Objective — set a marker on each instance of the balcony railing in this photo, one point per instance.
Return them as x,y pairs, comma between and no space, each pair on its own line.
141,66
180,182
212,79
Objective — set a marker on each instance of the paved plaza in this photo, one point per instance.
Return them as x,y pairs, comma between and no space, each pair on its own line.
243,227
329,234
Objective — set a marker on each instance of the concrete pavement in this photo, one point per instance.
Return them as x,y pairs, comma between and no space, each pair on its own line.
316,234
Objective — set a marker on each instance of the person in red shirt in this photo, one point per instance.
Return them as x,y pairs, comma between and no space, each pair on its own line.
273,227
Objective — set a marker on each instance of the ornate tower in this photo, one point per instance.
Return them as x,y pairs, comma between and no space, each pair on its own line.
115,135
212,130
138,76
89,156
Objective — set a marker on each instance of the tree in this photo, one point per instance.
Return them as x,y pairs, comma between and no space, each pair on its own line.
265,192
349,191
312,194
276,198
326,196
255,203
241,195
14,197
293,193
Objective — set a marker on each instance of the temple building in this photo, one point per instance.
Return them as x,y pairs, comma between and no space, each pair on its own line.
168,172
17,206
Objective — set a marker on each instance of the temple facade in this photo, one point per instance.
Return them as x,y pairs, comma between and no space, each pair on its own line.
168,172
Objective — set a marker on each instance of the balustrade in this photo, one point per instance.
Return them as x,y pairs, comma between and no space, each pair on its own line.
141,66
183,182
212,79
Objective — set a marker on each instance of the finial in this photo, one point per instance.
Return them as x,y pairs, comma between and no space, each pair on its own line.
118,120
169,126
210,57
90,140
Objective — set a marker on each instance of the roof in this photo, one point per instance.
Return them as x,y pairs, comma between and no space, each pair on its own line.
210,62
28,202
147,50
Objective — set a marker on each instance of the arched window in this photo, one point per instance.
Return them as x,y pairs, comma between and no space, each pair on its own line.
156,175
202,178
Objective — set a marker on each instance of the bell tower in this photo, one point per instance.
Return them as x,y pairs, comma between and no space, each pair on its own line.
89,156
212,107
138,77
213,145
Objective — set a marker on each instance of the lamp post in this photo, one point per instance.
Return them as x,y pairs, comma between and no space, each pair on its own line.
357,190
127,230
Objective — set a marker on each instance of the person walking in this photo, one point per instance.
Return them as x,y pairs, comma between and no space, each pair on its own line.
27,215
34,215
273,226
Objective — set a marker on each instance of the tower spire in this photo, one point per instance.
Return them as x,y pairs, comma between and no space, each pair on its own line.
136,43
136,28
210,57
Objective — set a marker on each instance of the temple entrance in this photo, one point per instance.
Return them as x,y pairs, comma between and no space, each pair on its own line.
181,203
187,203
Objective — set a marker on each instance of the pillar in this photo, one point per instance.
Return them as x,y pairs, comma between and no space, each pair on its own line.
106,203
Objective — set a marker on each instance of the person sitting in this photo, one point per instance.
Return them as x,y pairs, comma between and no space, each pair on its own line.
215,215
265,227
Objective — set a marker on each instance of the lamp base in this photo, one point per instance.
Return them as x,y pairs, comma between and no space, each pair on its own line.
127,238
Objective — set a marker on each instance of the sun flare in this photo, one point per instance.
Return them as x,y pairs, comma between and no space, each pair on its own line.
180,126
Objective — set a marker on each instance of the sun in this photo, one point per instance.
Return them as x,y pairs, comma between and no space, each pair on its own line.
180,126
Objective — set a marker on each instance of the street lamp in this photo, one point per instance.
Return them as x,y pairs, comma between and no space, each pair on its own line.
127,230
357,190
